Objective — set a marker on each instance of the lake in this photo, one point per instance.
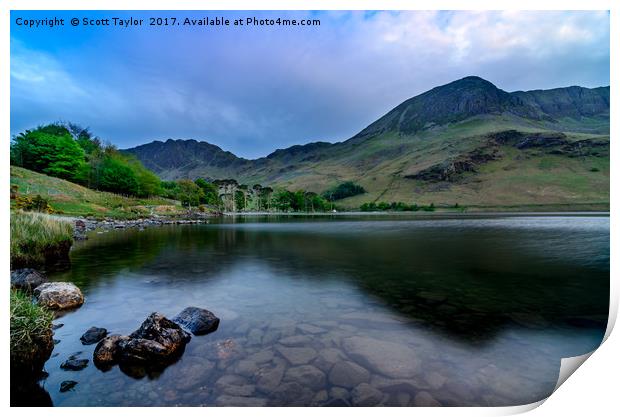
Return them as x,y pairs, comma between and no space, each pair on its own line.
343,310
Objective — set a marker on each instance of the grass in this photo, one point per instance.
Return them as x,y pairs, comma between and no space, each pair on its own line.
74,200
38,239
31,329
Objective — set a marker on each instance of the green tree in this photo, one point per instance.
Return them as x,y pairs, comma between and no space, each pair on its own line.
210,191
169,189
344,190
283,200
116,175
265,197
50,150
240,200
188,193
149,184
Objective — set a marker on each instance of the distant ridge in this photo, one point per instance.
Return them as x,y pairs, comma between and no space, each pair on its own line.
466,142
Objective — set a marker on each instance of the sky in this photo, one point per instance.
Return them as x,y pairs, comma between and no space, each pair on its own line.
251,90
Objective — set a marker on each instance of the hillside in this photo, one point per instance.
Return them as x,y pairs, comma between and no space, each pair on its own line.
467,142
74,200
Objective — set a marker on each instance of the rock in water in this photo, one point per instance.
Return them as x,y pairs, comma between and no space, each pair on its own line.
297,355
26,279
365,395
58,295
107,351
197,320
155,344
93,335
74,364
157,339
307,376
67,385
390,359
348,374
424,399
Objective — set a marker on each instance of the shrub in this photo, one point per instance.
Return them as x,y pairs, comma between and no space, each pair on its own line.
36,203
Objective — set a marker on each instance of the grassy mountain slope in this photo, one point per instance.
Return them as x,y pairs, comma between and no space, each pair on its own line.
75,200
440,147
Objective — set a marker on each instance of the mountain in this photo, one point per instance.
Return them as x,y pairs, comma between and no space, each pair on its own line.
466,142
473,96
176,157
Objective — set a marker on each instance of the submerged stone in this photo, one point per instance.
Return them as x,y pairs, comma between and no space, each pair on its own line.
365,395
307,376
74,364
388,358
236,401
297,355
424,399
295,341
291,394
269,379
348,374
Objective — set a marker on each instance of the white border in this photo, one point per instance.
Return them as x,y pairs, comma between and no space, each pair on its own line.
592,391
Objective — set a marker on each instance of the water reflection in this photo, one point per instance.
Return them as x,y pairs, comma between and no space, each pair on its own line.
487,307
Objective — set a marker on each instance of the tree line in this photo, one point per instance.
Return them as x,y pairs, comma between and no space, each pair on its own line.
229,195
74,153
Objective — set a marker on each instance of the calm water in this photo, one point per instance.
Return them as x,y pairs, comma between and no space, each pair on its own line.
461,311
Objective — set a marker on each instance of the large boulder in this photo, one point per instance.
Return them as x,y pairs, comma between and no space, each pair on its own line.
157,341
197,320
26,279
58,295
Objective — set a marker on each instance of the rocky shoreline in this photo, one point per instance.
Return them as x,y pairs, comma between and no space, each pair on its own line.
83,226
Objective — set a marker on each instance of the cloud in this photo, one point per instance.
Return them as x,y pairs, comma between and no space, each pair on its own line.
252,90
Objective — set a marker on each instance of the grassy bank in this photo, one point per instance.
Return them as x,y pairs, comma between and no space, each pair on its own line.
74,200
31,333
37,239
